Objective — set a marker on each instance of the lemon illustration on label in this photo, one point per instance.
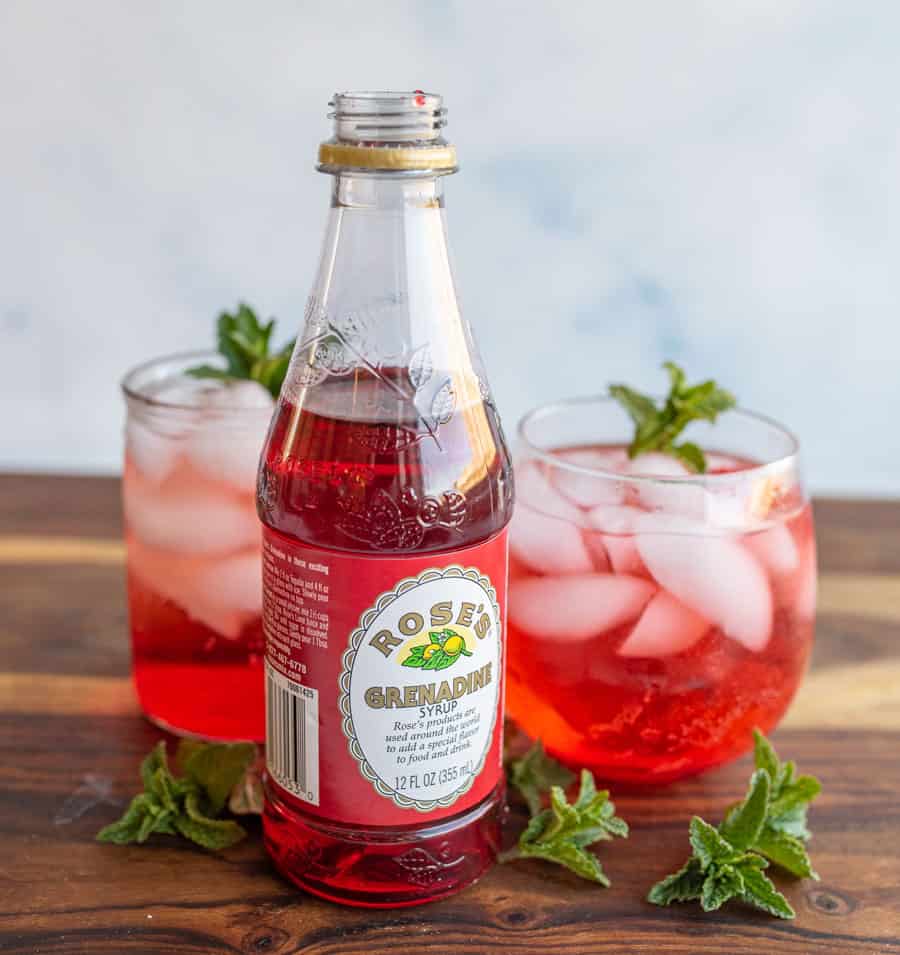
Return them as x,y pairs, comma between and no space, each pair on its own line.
444,648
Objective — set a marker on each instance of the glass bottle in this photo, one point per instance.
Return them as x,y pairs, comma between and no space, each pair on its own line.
385,489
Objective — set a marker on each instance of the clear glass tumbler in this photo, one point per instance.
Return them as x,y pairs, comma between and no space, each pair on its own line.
192,448
655,616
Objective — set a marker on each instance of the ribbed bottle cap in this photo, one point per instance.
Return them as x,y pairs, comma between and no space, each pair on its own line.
387,131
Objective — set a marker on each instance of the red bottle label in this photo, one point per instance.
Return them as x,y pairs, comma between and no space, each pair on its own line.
384,679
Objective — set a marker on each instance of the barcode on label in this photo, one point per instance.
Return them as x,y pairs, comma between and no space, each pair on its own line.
292,735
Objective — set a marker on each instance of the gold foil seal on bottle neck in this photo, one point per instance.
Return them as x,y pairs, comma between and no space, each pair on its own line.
333,156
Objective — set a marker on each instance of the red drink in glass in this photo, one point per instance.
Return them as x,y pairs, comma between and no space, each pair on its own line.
655,617
193,544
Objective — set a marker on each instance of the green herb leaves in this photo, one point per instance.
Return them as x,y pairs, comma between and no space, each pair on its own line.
784,832
765,826
536,773
657,428
244,342
562,833
717,873
186,805
443,650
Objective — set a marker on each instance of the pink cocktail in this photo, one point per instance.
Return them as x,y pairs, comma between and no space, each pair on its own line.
656,616
193,540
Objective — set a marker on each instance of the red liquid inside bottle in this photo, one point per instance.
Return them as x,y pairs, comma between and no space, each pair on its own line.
385,491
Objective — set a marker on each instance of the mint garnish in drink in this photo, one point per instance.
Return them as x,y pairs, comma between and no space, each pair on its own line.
769,824
187,805
655,429
244,342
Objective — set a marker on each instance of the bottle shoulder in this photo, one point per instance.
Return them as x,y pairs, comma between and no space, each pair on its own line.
365,477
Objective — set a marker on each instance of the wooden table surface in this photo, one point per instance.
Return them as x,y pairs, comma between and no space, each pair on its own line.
69,720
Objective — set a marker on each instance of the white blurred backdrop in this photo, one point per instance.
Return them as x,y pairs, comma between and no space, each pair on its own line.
716,183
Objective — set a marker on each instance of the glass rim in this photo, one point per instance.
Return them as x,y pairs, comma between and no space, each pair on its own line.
552,457
133,392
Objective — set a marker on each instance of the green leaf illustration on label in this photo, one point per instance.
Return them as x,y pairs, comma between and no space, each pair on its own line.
443,650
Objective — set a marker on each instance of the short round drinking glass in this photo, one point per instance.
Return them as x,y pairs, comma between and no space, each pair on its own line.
193,540
655,616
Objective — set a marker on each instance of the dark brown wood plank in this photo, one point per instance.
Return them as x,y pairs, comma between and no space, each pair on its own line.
858,536
60,504
68,894
64,618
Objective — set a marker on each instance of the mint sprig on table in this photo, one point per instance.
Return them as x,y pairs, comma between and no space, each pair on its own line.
214,775
784,834
562,833
244,342
537,773
657,428
769,824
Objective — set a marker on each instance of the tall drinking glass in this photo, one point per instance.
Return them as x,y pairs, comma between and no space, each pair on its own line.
656,616
193,541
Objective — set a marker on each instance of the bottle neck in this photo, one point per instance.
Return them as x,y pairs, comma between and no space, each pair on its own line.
388,193
386,263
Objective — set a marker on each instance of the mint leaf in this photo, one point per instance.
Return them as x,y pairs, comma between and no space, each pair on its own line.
562,833
790,794
656,428
743,825
796,793
724,882
676,377
708,845
762,894
640,408
243,341
187,804
210,371
536,773
573,857
685,885
690,455
126,829
155,760
793,823
786,851
765,757
217,768
213,834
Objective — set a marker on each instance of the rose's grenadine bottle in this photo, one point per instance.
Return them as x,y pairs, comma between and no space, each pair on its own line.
385,489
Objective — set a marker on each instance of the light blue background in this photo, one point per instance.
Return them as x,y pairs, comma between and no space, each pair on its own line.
717,183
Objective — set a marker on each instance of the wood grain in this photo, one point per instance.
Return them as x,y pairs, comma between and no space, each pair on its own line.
68,723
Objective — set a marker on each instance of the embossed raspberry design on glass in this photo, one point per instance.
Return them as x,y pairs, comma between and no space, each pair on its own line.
655,616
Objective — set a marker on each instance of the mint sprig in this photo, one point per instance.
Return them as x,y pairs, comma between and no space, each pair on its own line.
186,805
244,343
657,428
537,773
727,861
562,832
783,836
